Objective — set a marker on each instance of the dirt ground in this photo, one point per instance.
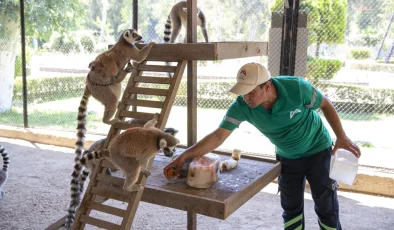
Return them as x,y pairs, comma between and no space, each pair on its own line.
37,195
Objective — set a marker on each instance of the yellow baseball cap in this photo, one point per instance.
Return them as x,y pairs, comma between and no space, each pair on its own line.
248,77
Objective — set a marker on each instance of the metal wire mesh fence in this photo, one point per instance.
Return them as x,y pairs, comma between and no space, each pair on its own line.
346,60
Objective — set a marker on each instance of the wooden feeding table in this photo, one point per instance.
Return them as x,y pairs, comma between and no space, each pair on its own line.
206,51
232,189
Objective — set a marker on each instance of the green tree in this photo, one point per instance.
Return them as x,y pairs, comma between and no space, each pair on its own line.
41,19
326,20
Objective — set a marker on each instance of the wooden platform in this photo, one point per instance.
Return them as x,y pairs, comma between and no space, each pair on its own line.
206,51
230,192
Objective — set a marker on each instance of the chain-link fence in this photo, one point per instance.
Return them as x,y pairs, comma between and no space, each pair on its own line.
346,60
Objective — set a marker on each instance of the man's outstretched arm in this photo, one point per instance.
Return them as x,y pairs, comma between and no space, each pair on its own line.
332,117
207,144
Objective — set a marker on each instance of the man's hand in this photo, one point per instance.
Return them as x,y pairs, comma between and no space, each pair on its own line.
175,164
345,143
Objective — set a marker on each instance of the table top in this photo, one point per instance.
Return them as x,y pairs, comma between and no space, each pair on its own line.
232,189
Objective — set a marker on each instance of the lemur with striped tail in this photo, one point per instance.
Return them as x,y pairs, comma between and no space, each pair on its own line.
4,171
178,18
130,152
104,79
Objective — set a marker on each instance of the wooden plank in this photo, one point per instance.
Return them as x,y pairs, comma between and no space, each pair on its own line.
179,52
191,219
240,50
83,210
108,164
206,51
241,197
99,223
110,179
58,224
123,125
107,209
148,91
138,115
145,103
182,201
112,193
170,98
157,80
157,68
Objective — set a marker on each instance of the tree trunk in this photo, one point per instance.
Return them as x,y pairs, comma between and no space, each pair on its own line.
9,49
103,20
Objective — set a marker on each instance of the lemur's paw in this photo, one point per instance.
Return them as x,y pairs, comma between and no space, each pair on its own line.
112,121
146,172
133,188
129,68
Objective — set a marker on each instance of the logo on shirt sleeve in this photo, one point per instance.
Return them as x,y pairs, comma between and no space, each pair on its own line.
292,113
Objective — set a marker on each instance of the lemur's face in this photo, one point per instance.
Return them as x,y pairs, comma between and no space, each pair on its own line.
169,151
131,36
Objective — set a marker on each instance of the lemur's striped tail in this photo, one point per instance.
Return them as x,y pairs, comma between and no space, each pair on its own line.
167,30
81,128
75,190
6,159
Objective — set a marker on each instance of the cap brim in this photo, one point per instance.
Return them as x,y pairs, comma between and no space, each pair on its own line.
242,89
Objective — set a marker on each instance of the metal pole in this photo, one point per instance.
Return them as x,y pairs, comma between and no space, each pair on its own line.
289,37
135,14
22,15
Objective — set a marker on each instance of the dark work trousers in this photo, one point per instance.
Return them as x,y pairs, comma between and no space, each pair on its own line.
315,169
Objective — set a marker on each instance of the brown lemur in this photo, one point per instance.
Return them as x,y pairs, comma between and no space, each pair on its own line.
104,80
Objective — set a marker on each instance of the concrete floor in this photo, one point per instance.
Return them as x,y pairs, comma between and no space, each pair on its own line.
37,194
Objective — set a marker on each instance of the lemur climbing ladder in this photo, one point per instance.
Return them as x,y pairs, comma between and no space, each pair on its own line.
129,100
110,187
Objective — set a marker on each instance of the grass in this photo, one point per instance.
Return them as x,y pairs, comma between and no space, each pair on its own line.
60,120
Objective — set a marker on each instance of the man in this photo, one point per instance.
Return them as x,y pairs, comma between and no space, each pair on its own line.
283,109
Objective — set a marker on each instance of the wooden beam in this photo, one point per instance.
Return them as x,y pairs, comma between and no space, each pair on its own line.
191,219
191,75
206,51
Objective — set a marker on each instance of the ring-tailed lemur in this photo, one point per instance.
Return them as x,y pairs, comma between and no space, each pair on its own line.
178,18
130,152
104,80
98,145
4,171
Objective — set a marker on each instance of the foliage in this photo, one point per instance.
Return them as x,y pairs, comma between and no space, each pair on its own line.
360,53
63,42
326,19
72,42
43,17
50,88
377,67
322,69
18,64
211,94
358,94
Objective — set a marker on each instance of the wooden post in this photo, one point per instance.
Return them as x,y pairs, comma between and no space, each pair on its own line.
191,219
191,75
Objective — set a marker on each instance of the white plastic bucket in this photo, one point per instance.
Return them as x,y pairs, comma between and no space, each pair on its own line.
343,167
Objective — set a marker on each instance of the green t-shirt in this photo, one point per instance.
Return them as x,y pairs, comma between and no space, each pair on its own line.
292,125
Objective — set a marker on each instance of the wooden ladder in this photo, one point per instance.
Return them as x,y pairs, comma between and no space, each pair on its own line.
110,187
